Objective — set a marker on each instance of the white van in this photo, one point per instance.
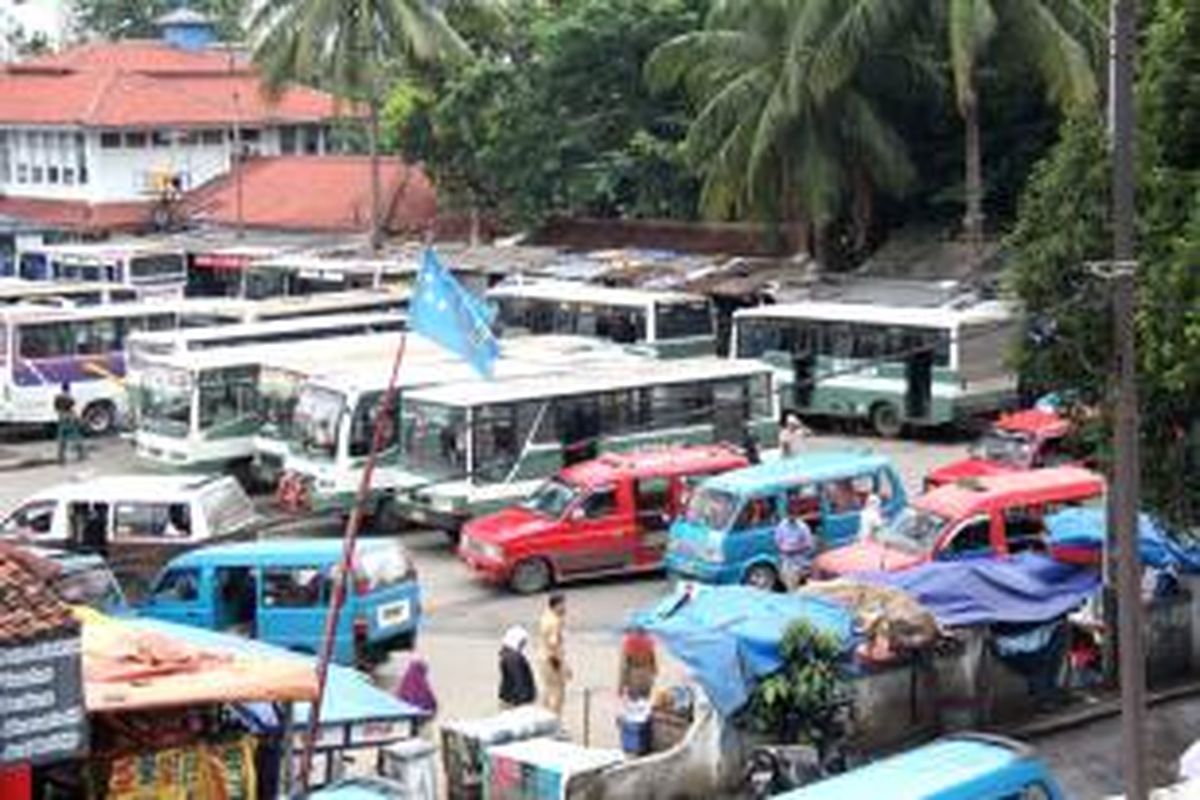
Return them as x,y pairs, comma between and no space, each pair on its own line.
138,522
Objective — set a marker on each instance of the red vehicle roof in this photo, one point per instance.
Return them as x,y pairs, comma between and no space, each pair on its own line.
654,462
968,497
1045,424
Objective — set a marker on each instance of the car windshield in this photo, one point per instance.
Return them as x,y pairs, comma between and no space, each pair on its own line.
914,530
165,401
711,508
92,586
315,425
1005,447
552,498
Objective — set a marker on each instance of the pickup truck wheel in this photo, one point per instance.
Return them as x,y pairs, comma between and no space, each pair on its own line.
530,576
761,576
885,419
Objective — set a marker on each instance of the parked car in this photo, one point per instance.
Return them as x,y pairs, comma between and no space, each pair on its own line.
1019,441
608,515
138,522
967,766
992,516
279,591
726,533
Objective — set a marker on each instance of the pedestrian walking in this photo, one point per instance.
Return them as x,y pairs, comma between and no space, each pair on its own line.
870,521
516,676
414,687
791,438
552,659
794,540
68,432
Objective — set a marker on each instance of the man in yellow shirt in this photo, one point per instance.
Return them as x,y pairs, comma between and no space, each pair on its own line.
552,660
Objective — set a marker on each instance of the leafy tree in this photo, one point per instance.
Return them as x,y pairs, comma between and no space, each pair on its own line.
787,124
134,19
346,47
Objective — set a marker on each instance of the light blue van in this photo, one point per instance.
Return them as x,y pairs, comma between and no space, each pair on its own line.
727,532
278,591
967,766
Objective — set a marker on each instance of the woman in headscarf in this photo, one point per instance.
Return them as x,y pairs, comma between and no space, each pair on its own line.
516,676
414,687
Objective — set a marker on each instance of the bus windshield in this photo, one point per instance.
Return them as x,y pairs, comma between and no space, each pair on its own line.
914,530
315,425
680,320
435,438
1005,447
712,508
166,401
552,498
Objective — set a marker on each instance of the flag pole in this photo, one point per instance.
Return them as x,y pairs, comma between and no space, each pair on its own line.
353,525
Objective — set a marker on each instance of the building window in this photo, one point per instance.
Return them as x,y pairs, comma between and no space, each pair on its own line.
22,173
312,139
212,137
68,176
32,141
110,140
82,176
135,139
51,174
287,140
251,135
5,159
160,138
190,138
36,175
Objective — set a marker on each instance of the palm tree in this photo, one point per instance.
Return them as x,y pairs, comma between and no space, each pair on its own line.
346,46
787,128
1054,35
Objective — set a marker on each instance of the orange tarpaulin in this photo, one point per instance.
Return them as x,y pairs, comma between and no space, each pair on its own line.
127,666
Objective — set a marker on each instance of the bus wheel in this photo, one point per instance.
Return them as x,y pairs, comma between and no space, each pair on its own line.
530,576
99,418
885,419
761,576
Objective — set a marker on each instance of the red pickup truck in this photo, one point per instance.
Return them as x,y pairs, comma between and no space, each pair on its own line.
1016,442
604,516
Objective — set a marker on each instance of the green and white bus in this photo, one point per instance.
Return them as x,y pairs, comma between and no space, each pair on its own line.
669,324
891,365
328,442
471,448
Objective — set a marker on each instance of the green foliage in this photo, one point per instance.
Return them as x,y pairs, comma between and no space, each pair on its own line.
1170,97
134,19
806,700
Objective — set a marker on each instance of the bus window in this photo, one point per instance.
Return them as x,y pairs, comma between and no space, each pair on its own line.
227,396
435,438
98,337
45,340
164,265
681,320
362,427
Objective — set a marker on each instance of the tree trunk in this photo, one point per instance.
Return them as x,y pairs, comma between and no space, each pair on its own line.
973,189
863,210
376,181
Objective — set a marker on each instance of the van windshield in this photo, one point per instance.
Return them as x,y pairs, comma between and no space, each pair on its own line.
226,507
93,586
315,423
914,530
712,508
552,498
1005,447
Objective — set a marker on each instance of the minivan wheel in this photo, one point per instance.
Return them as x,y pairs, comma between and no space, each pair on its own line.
530,576
386,518
99,418
762,576
885,419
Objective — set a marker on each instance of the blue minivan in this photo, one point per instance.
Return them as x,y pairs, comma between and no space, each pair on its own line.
727,531
278,591
968,766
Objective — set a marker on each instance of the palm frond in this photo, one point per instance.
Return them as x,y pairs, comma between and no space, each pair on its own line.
1060,59
970,27
853,38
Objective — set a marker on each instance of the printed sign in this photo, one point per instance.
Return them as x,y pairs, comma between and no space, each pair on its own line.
42,718
218,771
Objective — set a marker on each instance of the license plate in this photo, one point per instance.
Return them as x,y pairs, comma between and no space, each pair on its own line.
396,613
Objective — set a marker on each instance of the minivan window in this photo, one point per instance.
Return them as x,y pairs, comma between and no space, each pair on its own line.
758,512
292,587
384,567
178,585
33,517
915,530
711,508
971,537
138,520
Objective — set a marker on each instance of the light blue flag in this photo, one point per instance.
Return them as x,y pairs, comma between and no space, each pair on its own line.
448,314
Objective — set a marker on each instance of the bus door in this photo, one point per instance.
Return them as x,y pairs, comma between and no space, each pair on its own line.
804,361
579,429
918,400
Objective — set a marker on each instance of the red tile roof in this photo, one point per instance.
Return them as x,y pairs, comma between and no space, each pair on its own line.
150,83
317,193
79,215
29,610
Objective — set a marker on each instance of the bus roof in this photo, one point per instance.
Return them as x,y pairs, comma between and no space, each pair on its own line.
869,313
117,249
1027,487
954,763
277,552
815,466
308,355
20,287
298,305
241,330
309,262
32,312
590,378
578,292
130,487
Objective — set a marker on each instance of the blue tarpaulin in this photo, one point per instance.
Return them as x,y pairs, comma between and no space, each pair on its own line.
1085,528
729,636
976,591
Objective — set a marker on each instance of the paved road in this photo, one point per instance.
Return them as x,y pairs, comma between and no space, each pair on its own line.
465,617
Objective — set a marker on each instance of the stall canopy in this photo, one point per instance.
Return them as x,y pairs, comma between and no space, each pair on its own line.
1083,530
139,664
978,591
729,636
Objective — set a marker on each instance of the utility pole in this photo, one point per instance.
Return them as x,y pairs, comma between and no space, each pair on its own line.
1125,488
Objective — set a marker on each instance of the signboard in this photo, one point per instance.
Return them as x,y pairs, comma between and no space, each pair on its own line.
221,261
182,773
42,718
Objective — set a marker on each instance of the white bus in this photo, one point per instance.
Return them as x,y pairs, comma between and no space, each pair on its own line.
203,312
42,348
62,293
670,324
327,444
891,365
466,448
151,269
